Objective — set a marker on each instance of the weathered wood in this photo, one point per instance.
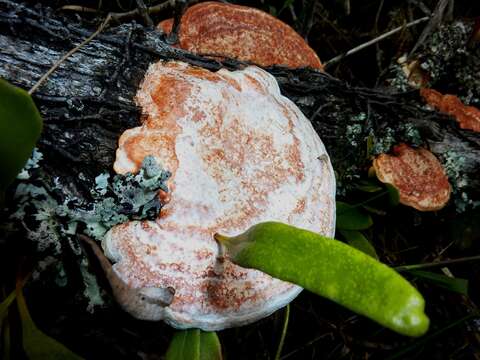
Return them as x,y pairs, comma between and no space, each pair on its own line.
88,101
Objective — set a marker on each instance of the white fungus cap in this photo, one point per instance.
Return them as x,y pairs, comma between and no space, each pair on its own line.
240,153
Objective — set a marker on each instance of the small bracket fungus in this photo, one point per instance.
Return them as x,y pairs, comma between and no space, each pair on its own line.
242,33
468,117
418,176
239,153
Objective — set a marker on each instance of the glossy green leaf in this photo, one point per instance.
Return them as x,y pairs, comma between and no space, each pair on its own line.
20,128
393,194
453,284
36,344
359,241
352,218
194,344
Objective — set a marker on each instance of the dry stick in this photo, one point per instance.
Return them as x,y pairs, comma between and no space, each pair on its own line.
70,53
336,59
123,15
437,263
79,8
143,10
284,332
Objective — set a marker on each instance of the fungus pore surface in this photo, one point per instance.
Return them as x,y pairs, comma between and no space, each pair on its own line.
418,176
239,153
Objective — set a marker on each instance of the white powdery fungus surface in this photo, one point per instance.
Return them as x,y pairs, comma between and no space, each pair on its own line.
240,153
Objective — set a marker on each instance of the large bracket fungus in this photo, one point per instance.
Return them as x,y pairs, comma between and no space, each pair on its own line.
240,153
243,33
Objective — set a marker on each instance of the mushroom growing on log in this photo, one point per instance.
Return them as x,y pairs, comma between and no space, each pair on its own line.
468,117
418,176
89,101
240,153
243,33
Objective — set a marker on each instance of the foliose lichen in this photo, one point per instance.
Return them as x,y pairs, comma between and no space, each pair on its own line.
453,164
114,200
51,216
31,164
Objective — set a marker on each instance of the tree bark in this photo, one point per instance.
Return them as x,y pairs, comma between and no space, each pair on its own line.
88,101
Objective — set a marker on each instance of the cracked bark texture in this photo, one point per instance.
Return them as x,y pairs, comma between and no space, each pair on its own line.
88,101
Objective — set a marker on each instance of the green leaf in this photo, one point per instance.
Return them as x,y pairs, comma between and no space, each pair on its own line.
374,210
352,218
36,344
453,284
285,5
393,194
6,303
369,186
359,242
194,344
332,269
20,128
272,10
6,340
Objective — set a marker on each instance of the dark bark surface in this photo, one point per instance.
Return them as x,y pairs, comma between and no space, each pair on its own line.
88,101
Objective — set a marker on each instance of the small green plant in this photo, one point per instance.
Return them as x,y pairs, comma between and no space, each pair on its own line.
194,344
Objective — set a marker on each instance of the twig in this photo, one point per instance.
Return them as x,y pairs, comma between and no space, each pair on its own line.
435,21
143,10
68,54
336,59
79,8
284,333
124,15
436,263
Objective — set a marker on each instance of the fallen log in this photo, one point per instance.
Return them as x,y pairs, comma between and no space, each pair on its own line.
88,101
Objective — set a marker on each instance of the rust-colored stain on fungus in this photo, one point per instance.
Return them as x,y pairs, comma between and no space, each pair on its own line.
243,33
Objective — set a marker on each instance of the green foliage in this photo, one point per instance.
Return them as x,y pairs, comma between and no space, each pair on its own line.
393,195
331,269
36,344
351,217
5,304
20,128
194,344
452,284
369,186
359,241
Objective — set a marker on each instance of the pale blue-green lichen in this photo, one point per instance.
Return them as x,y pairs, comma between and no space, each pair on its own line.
92,290
353,132
51,221
31,164
384,143
453,164
411,134
114,201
